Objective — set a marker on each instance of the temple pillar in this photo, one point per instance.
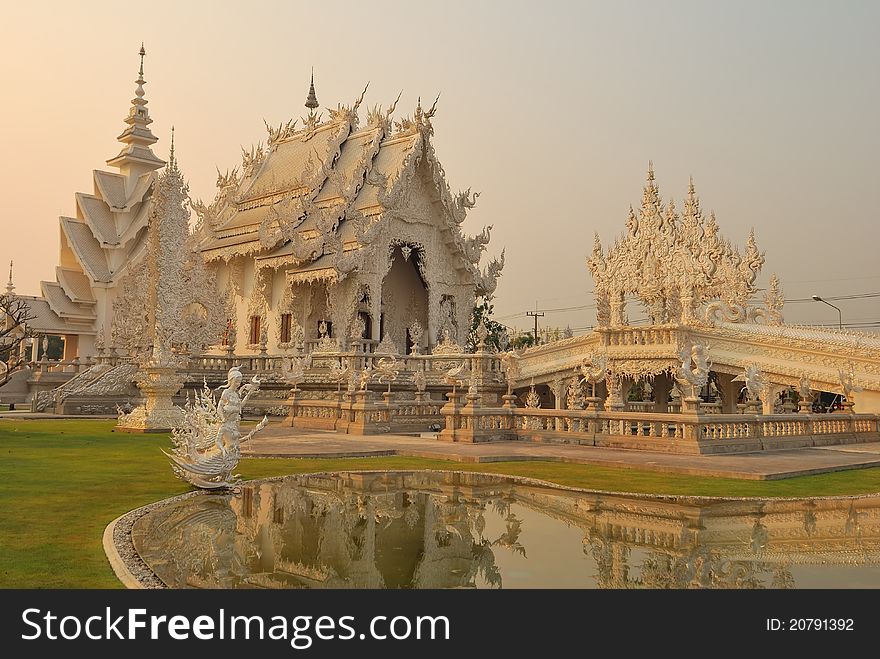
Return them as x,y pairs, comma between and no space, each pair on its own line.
662,386
729,392
557,387
768,401
71,347
618,309
626,384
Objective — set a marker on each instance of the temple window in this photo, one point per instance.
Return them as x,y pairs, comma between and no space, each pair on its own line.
368,325
286,320
254,334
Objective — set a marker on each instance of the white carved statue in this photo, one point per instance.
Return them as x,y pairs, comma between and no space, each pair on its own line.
847,382
339,373
594,369
293,369
416,331
420,381
804,389
365,376
755,383
207,443
387,369
693,379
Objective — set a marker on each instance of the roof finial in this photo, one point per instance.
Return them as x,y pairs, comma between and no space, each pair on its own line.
137,138
139,92
650,170
171,162
9,285
312,99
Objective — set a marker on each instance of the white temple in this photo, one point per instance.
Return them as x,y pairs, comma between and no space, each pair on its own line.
333,257
344,229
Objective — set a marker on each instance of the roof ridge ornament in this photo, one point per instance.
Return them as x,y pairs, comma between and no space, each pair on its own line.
312,99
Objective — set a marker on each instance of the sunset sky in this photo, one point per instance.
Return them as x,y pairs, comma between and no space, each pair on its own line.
551,110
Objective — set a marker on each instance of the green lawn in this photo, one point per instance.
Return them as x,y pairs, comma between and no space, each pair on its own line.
62,482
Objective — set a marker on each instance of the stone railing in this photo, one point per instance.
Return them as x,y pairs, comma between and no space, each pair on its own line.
677,433
363,412
647,335
358,359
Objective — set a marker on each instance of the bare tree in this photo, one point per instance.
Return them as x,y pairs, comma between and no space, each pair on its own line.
14,316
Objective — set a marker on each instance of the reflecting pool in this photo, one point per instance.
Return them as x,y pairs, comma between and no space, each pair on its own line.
460,530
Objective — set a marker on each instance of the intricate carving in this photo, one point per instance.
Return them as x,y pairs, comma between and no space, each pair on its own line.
532,399
693,379
594,369
673,265
487,281
847,382
420,382
755,382
293,370
416,331
774,301
447,346
387,369
207,443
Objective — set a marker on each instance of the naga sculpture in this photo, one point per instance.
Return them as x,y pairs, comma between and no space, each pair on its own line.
487,281
594,369
847,383
207,443
693,379
755,383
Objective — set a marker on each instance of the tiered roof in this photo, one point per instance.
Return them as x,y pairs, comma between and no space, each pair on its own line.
311,195
99,242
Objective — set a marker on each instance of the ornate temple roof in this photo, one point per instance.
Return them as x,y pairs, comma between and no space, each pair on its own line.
107,231
314,192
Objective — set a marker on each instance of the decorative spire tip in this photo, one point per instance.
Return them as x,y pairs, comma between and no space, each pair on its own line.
312,98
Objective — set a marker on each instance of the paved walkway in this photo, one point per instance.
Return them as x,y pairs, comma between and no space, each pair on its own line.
280,442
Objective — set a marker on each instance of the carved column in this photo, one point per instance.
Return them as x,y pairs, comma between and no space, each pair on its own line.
432,328
614,400
729,392
617,303
662,387
626,383
768,400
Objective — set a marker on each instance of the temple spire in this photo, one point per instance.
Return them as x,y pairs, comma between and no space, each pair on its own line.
312,99
171,162
9,285
136,157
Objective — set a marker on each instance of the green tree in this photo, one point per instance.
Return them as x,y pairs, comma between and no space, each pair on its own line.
497,338
522,340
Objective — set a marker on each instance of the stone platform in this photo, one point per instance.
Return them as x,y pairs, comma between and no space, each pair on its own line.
280,442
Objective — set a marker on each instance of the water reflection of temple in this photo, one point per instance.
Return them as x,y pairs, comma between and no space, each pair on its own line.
447,530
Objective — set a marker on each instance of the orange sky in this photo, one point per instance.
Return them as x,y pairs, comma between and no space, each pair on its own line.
551,110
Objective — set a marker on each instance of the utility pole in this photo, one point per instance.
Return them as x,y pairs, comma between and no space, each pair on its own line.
535,314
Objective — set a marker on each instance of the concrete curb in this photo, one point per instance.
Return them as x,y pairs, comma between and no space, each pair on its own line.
118,565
